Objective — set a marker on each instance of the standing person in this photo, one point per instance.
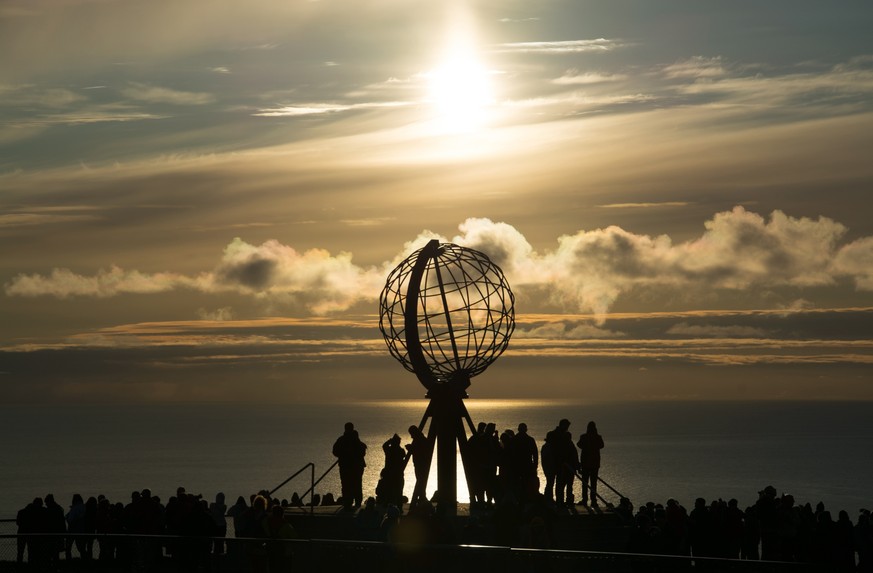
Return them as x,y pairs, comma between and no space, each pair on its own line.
392,474
528,460
55,523
76,525
491,453
28,521
420,452
548,461
590,443
350,451
217,511
236,512
564,457
477,448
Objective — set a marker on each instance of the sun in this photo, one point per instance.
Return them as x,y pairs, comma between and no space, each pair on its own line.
461,93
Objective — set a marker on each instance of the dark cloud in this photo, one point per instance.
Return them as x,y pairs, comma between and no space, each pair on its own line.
256,274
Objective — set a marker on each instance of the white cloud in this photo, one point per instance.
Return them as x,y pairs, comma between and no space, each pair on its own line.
502,242
844,87
589,270
856,260
586,272
63,283
696,67
562,47
295,110
84,117
156,94
323,108
315,278
559,330
574,77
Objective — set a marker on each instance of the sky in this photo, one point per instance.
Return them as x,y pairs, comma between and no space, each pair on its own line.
203,200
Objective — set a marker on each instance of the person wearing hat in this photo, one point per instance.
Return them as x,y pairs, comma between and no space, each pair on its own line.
766,508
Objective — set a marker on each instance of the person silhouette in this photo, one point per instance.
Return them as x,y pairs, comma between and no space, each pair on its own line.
477,450
526,460
217,511
419,451
350,452
590,443
563,460
392,474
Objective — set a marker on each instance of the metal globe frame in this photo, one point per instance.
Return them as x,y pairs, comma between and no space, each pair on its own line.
458,315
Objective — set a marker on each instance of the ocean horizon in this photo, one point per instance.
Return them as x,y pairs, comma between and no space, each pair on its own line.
653,451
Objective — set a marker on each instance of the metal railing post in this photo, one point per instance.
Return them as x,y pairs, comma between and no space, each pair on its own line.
294,475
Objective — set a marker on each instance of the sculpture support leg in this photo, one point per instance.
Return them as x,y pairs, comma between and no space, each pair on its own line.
446,433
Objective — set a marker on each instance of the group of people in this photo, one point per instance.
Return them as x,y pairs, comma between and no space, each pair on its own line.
499,464
774,528
562,462
98,520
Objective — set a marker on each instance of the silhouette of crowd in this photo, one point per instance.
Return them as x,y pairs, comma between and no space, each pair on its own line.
201,525
508,505
774,528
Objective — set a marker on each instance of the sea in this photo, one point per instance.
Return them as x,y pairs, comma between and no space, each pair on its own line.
655,450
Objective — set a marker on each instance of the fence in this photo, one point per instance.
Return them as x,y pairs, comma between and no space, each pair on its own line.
110,553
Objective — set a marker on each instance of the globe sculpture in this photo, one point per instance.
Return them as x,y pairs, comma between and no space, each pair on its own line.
446,314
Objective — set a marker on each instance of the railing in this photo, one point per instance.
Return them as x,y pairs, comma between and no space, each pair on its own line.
311,467
312,481
141,553
318,481
609,487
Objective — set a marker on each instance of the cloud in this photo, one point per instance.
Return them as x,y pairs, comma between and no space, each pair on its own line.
371,222
63,283
856,260
502,242
561,47
222,314
567,331
573,77
100,114
731,331
586,272
32,219
156,94
843,88
320,281
696,67
647,205
323,108
589,270
31,96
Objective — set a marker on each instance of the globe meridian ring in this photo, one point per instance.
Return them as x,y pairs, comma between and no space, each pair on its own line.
464,313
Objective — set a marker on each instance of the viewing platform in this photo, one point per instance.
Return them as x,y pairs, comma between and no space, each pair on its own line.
544,526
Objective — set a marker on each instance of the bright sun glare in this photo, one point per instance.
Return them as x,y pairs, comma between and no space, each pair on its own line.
460,91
